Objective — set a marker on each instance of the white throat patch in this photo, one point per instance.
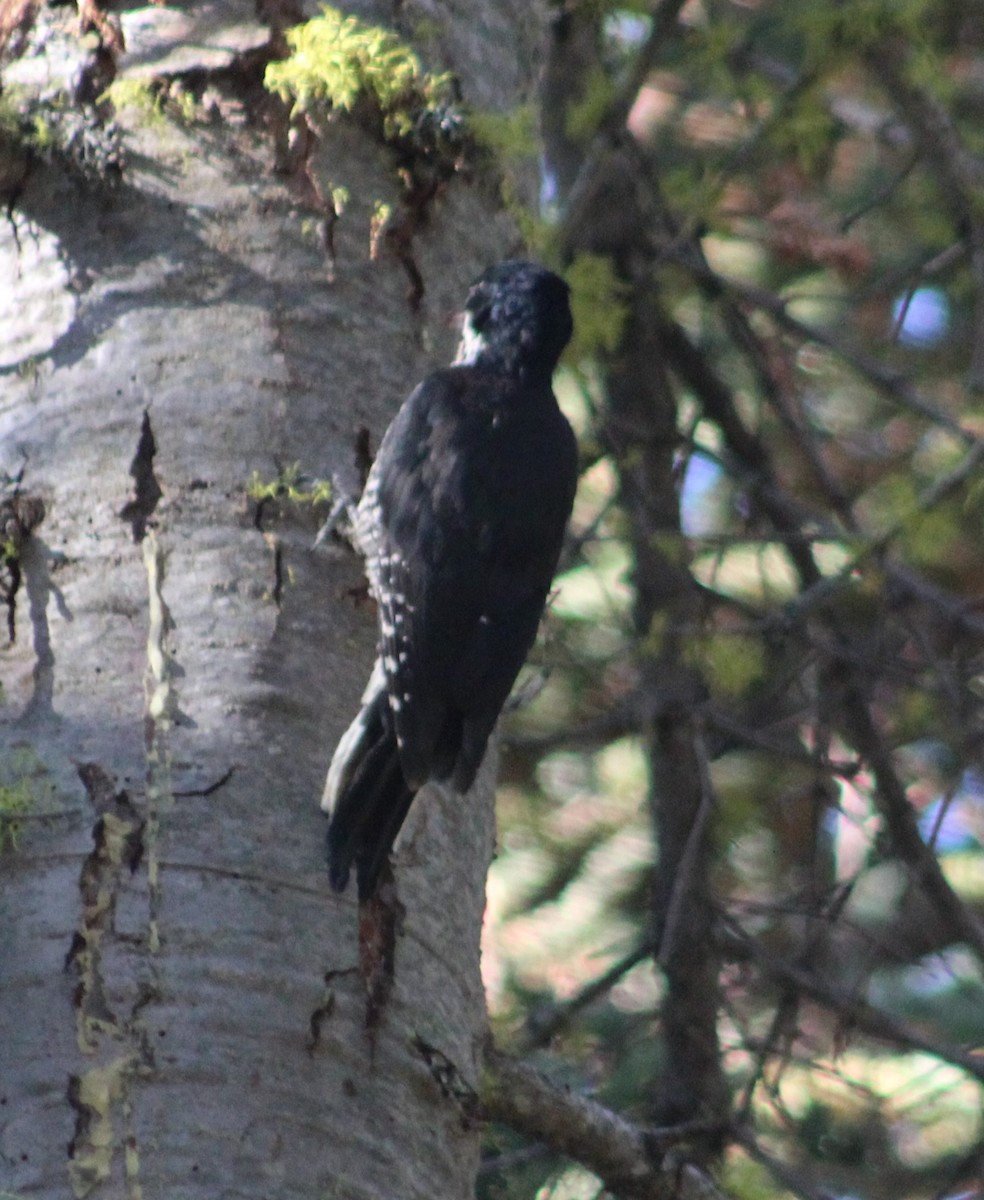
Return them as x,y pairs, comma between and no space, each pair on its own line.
471,345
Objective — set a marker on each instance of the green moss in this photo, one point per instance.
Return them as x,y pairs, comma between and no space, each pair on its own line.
42,135
28,369
152,102
336,60
291,484
584,115
807,131
187,106
381,213
832,30
507,136
512,142
20,792
15,800
137,95
731,662
56,128
599,302
9,118
23,123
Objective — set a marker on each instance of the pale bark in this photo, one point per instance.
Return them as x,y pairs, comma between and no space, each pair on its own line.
168,1030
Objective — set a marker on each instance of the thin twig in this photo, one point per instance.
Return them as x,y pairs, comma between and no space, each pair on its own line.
856,1012
884,379
893,803
960,172
790,1178
543,1024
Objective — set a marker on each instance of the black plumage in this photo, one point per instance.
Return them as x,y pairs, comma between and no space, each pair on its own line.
461,522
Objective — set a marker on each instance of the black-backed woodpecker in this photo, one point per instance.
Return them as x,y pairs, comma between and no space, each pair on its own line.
461,523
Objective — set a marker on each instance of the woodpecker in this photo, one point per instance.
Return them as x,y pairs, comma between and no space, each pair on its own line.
461,523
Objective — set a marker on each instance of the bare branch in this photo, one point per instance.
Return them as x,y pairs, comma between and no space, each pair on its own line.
544,1023
886,380
961,173
855,1011
581,200
623,1155
786,1175
903,828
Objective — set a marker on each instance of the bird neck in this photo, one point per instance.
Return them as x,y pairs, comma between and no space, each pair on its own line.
508,358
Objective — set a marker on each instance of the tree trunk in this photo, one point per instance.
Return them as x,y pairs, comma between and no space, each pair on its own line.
180,1010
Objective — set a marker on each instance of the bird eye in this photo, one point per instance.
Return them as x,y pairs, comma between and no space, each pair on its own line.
480,314
479,307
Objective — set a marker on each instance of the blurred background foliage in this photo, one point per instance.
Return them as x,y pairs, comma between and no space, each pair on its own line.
773,212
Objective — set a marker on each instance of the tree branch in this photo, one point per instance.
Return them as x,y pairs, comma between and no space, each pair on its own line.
630,1160
855,1011
961,172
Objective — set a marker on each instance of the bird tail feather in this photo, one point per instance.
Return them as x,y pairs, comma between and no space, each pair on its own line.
366,795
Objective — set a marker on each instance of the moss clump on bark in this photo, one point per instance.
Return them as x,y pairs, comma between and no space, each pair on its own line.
337,62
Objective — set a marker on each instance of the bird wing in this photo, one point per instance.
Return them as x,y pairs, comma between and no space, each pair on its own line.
462,522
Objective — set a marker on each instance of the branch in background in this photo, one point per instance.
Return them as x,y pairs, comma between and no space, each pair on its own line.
854,1011
857,724
788,1176
900,820
747,452
580,207
545,1022
688,866
757,354
850,668
618,722
959,613
639,429
886,380
938,490
961,173
629,1160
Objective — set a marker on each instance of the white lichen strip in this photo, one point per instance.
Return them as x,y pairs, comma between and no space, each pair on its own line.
159,719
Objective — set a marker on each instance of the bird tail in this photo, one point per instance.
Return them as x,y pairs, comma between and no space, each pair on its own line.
366,795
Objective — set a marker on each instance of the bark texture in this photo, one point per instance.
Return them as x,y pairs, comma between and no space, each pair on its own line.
179,1008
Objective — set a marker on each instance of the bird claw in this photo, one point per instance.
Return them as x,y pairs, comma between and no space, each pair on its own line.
341,521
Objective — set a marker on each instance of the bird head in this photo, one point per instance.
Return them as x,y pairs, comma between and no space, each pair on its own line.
517,320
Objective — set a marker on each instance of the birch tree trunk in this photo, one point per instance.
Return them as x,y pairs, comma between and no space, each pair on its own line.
180,1013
